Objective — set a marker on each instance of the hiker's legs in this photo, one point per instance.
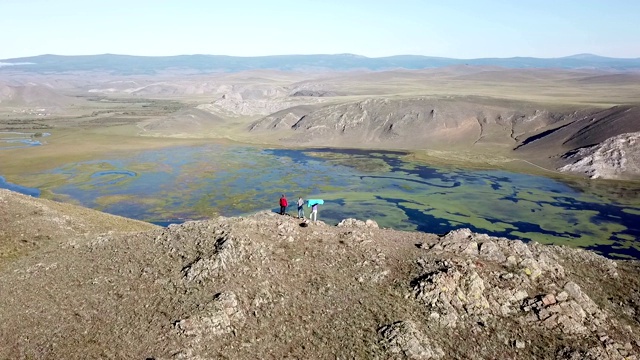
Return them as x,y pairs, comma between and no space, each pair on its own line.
314,216
301,213
282,208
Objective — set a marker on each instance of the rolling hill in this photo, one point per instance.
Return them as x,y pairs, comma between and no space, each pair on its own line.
126,64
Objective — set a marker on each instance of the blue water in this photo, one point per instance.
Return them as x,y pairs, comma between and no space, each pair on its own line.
24,140
178,184
17,188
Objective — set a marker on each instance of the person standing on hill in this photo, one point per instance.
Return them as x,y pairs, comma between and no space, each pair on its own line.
283,204
300,208
314,212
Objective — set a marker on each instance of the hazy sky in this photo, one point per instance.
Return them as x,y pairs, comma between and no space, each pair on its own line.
448,28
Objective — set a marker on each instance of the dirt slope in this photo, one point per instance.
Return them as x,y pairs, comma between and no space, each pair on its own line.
27,224
32,95
265,287
182,122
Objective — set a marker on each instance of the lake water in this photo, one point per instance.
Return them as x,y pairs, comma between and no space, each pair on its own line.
16,140
177,184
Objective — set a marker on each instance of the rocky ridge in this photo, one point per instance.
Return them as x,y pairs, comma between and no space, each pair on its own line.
264,286
410,123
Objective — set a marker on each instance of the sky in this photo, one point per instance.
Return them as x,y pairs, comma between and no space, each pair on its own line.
447,28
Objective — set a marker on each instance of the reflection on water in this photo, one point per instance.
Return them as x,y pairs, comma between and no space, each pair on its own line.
172,185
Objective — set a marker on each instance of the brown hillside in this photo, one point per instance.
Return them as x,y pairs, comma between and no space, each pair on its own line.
413,123
34,96
585,129
183,121
29,224
265,287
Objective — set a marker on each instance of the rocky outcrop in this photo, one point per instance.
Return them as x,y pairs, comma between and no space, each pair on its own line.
218,317
496,288
599,143
358,223
403,340
615,158
253,100
281,120
313,93
505,282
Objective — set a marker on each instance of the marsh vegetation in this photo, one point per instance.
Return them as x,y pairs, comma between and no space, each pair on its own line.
166,149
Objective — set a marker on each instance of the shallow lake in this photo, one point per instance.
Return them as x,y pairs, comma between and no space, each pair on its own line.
177,184
17,140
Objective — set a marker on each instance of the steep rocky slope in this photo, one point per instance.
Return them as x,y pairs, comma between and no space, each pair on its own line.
585,129
281,120
265,287
616,157
601,144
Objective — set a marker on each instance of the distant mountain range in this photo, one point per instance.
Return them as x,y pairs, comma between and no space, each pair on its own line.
126,64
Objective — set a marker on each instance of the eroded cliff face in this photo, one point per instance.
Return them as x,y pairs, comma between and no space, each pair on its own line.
245,287
615,158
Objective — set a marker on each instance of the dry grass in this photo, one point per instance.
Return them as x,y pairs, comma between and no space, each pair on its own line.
311,292
109,124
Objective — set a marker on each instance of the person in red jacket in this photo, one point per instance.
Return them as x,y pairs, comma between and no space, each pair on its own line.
283,204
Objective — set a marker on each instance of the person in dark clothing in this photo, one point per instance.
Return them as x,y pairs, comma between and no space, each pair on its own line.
283,204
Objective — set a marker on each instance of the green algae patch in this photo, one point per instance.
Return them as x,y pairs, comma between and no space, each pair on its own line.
242,202
632,211
625,237
43,181
108,200
184,183
149,167
64,198
329,188
365,164
621,256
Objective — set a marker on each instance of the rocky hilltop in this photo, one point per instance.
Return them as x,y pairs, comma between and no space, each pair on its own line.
264,286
